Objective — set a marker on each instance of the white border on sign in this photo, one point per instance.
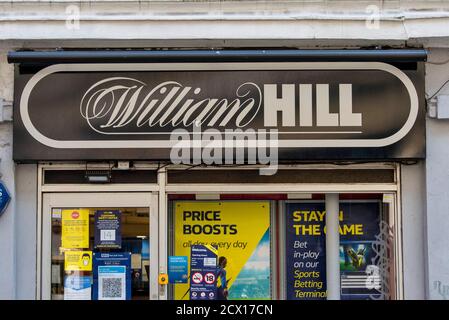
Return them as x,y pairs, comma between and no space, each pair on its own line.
164,144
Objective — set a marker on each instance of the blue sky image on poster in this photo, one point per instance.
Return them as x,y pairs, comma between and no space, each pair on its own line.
253,281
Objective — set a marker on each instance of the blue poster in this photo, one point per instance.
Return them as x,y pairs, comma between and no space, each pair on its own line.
203,272
178,269
108,229
306,249
112,276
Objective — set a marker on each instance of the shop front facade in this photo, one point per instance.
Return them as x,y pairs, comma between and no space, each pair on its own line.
117,160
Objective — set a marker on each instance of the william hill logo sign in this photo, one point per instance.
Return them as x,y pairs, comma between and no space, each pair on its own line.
129,111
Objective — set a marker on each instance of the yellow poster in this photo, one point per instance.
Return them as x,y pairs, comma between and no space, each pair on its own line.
240,231
75,229
78,261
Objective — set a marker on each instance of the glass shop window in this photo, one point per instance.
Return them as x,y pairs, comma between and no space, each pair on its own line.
366,250
100,254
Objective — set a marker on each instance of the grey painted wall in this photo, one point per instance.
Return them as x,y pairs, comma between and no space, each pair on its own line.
26,222
437,184
7,220
413,235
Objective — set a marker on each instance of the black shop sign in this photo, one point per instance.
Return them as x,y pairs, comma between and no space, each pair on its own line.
129,111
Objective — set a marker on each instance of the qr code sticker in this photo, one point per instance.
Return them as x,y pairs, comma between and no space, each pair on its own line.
112,288
107,235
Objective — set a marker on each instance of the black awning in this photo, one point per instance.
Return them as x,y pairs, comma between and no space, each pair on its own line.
256,55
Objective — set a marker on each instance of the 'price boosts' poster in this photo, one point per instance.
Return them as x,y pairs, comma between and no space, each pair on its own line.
240,232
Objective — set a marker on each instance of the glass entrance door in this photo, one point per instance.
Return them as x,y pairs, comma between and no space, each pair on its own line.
99,246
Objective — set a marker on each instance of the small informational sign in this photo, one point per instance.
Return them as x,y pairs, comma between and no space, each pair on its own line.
77,287
145,270
4,198
75,229
55,274
112,276
56,213
178,269
78,260
203,272
108,229
136,261
388,198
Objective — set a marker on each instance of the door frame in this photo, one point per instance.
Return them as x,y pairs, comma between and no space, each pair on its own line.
96,199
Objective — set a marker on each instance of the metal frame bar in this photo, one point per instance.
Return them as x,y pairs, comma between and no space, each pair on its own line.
282,249
332,240
154,242
163,230
144,165
269,55
99,188
281,188
39,234
396,209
